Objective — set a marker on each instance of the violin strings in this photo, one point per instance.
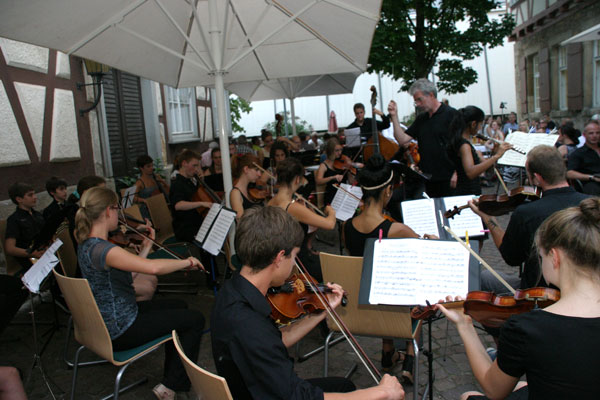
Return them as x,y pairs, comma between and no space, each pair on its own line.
361,355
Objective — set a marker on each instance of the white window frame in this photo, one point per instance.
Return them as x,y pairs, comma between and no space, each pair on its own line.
182,117
596,82
536,82
562,78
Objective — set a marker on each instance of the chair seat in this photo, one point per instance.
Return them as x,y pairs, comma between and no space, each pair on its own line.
126,355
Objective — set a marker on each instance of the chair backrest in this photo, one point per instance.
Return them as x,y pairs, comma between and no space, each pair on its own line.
361,319
134,212
89,327
66,252
161,216
206,384
12,265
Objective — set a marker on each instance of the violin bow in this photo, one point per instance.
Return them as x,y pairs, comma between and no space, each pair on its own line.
501,180
373,371
486,265
362,146
338,187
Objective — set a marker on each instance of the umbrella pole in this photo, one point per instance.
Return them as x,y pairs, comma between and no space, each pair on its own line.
293,110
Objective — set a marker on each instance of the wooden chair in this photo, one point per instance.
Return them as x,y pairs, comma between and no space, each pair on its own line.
134,211
12,265
66,253
366,320
91,332
207,385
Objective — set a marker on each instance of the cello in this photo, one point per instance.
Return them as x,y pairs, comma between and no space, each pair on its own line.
378,143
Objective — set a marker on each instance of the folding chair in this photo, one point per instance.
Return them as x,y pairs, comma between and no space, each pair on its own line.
366,320
91,333
206,384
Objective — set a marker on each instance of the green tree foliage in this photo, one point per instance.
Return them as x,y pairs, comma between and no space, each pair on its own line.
237,105
412,33
302,126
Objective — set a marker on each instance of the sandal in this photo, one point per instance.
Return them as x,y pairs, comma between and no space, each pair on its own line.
407,369
163,393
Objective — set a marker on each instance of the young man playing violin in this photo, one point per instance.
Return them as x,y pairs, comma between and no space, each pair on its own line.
546,170
249,350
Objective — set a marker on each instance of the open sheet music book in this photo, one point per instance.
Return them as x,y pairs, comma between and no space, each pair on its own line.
215,227
352,137
345,204
525,142
411,271
35,275
426,215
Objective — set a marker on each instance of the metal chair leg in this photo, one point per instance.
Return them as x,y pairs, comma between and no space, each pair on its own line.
75,365
416,370
326,352
65,355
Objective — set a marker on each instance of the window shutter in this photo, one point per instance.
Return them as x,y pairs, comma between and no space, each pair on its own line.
575,76
544,68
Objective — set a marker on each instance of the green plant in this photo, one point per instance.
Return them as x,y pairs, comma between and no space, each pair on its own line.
302,126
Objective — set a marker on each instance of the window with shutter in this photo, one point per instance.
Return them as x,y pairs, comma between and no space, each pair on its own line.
562,78
181,114
535,63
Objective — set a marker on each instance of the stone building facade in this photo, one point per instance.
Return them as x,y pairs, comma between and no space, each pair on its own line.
552,77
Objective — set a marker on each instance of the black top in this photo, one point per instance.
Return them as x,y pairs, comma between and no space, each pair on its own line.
464,185
215,182
366,129
330,190
584,160
516,246
433,136
248,350
185,223
246,202
24,227
355,240
559,354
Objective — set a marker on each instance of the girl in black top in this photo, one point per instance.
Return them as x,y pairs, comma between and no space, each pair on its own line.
467,162
375,180
244,170
557,347
327,174
290,177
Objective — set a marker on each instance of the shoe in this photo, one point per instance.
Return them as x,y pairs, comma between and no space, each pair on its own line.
389,359
406,378
492,353
163,393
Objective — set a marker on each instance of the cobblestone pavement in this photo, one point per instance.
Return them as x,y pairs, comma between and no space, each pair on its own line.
451,369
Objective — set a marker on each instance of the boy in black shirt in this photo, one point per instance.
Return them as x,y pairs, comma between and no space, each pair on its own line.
23,225
57,188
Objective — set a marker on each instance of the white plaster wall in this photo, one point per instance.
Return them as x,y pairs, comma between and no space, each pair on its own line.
12,147
23,55
33,99
63,69
64,145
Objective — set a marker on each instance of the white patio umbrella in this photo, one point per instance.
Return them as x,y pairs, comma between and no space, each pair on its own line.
292,88
185,43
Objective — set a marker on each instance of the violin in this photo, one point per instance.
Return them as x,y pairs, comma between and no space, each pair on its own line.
412,155
486,137
492,310
296,298
344,163
496,205
258,192
206,194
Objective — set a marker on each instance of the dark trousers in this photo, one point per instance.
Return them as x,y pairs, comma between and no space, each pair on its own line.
157,318
438,189
333,384
12,296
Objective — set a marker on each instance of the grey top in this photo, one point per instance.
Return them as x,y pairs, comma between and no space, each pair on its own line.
112,288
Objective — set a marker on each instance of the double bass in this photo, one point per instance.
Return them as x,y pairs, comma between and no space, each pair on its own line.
377,143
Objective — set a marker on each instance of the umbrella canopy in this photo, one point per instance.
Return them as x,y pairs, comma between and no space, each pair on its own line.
185,43
589,34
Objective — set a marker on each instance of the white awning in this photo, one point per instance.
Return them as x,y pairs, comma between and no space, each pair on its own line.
589,34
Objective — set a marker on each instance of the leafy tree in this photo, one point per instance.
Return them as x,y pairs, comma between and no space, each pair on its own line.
302,126
237,105
412,33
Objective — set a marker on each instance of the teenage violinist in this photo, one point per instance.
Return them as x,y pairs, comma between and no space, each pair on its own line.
108,269
244,171
249,350
327,174
555,347
290,177
376,180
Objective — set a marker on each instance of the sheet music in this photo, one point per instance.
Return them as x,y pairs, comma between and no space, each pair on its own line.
218,232
345,204
420,216
411,271
352,137
208,220
35,275
128,194
467,220
524,141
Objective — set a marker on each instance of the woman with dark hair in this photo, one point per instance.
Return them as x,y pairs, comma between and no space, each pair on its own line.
148,184
244,170
468,163
555,347
569,139
290,177
376,180
327,174
213,176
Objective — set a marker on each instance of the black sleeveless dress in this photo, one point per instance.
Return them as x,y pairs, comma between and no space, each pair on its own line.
310,260
355,240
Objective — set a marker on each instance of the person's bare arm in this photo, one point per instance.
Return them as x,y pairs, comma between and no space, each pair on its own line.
399,134
495,229
190,205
